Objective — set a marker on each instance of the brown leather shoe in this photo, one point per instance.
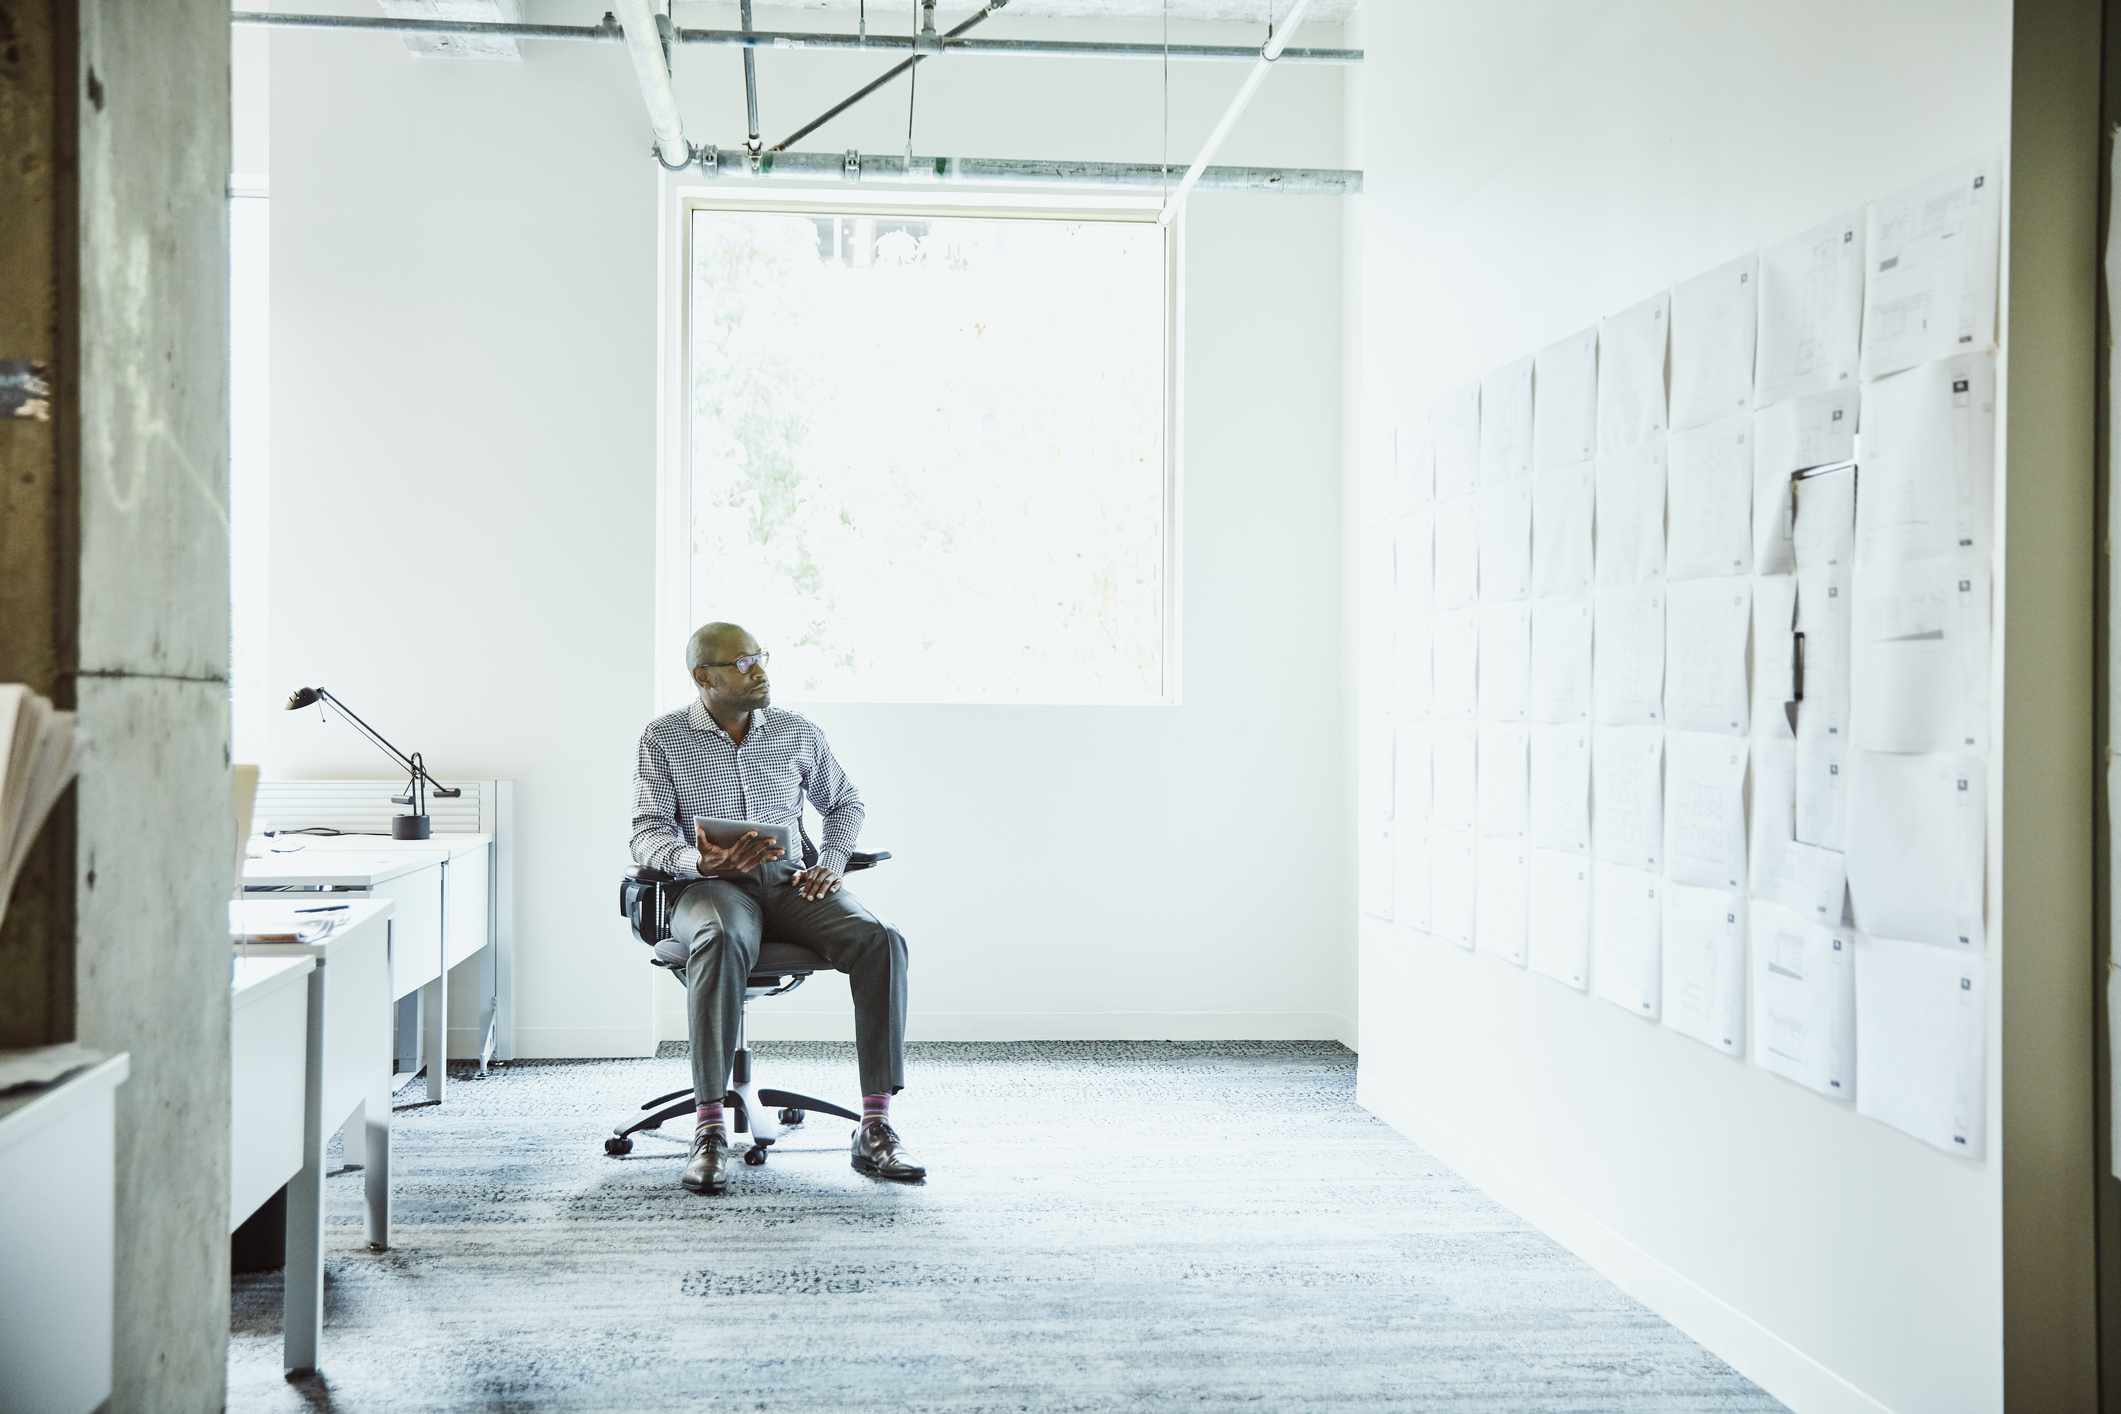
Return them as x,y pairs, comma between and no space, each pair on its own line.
712,1159
876,1153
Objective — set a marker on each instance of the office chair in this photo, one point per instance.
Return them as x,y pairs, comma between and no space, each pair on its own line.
647,897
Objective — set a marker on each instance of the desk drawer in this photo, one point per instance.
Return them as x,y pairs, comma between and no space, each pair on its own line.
415,928
468,901
268,1060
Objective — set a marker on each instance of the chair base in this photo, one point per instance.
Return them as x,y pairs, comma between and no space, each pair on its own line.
752,1111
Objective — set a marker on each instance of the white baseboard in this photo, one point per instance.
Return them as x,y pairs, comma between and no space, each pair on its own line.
568,1043
1756,1352
768,1023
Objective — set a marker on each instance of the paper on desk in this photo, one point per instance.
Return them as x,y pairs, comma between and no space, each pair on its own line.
37,1067
1818,429
1505,660
1559,921
1804,1000
1452,867
1709,499
1929,461
1807,879
1561,661
1932,287
1811,311
1565,404
1630,514
1627,795
1627,918
1506,424
1454,651
1916,847
1774,654
1627,661
1453,752
1631,349
1706,622
1921,1038
1506,540
1457,557
1414,462
1499,914
1561,788
1713,319
1703,954
1704,810
1823,519
1919,654
1455,424
1503,788
1561,530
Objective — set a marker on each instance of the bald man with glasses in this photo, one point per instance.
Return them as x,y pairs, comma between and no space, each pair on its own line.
729,755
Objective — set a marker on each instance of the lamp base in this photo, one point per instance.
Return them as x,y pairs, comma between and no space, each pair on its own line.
411,827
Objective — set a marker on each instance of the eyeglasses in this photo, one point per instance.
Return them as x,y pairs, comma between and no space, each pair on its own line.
744,664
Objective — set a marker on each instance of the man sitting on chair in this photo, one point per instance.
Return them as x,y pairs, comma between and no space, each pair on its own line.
730,756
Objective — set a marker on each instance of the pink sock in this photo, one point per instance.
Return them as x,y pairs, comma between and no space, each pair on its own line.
876,1107
709,1114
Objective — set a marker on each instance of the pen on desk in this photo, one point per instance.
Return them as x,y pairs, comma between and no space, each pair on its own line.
327,908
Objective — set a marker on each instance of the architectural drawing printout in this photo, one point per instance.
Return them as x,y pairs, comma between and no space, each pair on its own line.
1373,791
1627,913
1921,1030
1456,423
1505,660
1453,753
1561,788
1454,662
1703,950
1804,1000
1917,847
1561,661
1932,289
1709,499
1811,311
1565,407
1561,916
1414,462
1506,424
1506,540
1803,878
1561,530
1627,660
1499,914
1627,795
1713,320
1704,810
1410,829
1919,655
1452,865
1823,519
1774,654
1818,429
1504,791
1706,621
1631,352
1929,462
1630,514
1457,558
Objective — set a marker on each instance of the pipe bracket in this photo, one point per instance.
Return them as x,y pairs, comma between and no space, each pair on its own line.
852,165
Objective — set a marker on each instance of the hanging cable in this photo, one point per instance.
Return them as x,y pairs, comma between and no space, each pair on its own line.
913,80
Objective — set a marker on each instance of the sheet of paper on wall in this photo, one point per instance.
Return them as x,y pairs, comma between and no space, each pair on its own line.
1774,654
1413,652
1457,553
1562,500
1454,652
1414,462
1917,837
1627,661
1561,661
1929,461
1410,874
1373,798
1811,311
1713,328
1414,561
1455,423
1565,402
1823,518
1503,781
1506,424
1803,999
1413,791
1822,783
1499,911
1561,788
1825,621
1505,660
1627,796
1454,752
1627,916
1921,1041
1706,621
1452,866
1806,879
1703,958
1932,287
1709,500
1630,513
1818,429
1919,655
1506,540
1704,810
1559,919
1631,352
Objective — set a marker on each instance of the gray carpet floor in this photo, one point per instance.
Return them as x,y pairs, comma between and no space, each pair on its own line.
1107,1226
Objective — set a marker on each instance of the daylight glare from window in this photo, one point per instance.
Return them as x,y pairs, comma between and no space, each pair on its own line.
926,454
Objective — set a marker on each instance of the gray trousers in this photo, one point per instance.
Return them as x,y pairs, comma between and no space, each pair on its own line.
720,923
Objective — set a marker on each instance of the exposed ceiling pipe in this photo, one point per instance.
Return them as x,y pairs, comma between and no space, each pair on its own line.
894,168
1268,57
879,81
751,84
791,39
644,43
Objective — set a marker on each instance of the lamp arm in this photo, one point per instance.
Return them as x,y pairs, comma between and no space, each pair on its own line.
412,765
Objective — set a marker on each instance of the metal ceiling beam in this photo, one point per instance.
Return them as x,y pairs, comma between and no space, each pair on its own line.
1268,56
896,169
644,44
902,66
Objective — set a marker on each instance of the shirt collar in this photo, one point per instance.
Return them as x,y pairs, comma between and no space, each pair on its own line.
701,720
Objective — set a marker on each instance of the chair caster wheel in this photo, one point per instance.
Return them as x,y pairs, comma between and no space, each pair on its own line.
755,1155
618,1144
791,1115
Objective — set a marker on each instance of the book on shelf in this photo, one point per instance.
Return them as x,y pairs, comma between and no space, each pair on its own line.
39,754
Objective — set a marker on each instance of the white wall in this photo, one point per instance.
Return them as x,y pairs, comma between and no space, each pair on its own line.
1530,167
464,313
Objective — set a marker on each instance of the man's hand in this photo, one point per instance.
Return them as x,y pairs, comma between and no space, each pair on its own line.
814,883
743,857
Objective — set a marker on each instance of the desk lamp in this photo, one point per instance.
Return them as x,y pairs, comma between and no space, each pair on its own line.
417,825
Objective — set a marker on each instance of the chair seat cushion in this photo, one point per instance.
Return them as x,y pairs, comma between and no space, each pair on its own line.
775,959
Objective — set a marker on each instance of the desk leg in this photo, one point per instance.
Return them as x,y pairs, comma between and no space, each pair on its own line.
375,1172
434,1029
302,1313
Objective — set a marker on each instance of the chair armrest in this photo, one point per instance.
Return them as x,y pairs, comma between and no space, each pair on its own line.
867,861
649,874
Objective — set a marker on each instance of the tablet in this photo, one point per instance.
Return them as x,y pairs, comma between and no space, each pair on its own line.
727,832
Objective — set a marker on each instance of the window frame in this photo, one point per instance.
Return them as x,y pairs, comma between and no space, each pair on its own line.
673,502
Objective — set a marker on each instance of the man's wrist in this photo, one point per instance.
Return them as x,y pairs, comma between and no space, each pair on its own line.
833,859
689,860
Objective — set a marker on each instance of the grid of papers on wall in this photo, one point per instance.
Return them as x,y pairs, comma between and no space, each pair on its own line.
1688,706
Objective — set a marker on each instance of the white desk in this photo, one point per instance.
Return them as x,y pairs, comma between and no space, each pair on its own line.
346,1072
443,889
58,1175
268,1113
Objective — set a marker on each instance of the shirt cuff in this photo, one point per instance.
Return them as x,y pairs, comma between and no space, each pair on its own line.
833,859
688,862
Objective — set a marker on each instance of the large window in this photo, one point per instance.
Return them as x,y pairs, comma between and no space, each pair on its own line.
925,454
